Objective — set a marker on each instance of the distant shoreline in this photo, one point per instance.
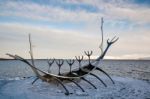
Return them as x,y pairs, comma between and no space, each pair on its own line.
1,59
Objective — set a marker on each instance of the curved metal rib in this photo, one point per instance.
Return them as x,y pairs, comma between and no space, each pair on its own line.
59,81
35,80
76,84
89,82
98,79
97,68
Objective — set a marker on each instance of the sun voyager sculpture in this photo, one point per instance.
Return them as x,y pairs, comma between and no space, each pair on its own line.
72,76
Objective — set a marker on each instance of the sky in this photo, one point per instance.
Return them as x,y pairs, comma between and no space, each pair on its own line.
67,28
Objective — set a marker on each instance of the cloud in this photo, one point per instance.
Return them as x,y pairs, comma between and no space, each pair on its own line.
114,10
119,10
130,21
51,42
129,56
44,12
48,42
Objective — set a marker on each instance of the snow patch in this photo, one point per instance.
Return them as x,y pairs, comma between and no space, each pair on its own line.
124,88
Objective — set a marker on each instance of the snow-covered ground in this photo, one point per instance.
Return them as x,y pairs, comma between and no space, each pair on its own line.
124,88
132,81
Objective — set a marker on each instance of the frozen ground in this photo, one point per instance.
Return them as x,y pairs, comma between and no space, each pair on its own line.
124,88
132,81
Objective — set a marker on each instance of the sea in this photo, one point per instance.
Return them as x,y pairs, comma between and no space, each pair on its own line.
139,69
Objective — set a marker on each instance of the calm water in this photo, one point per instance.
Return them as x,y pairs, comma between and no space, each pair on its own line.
130,68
